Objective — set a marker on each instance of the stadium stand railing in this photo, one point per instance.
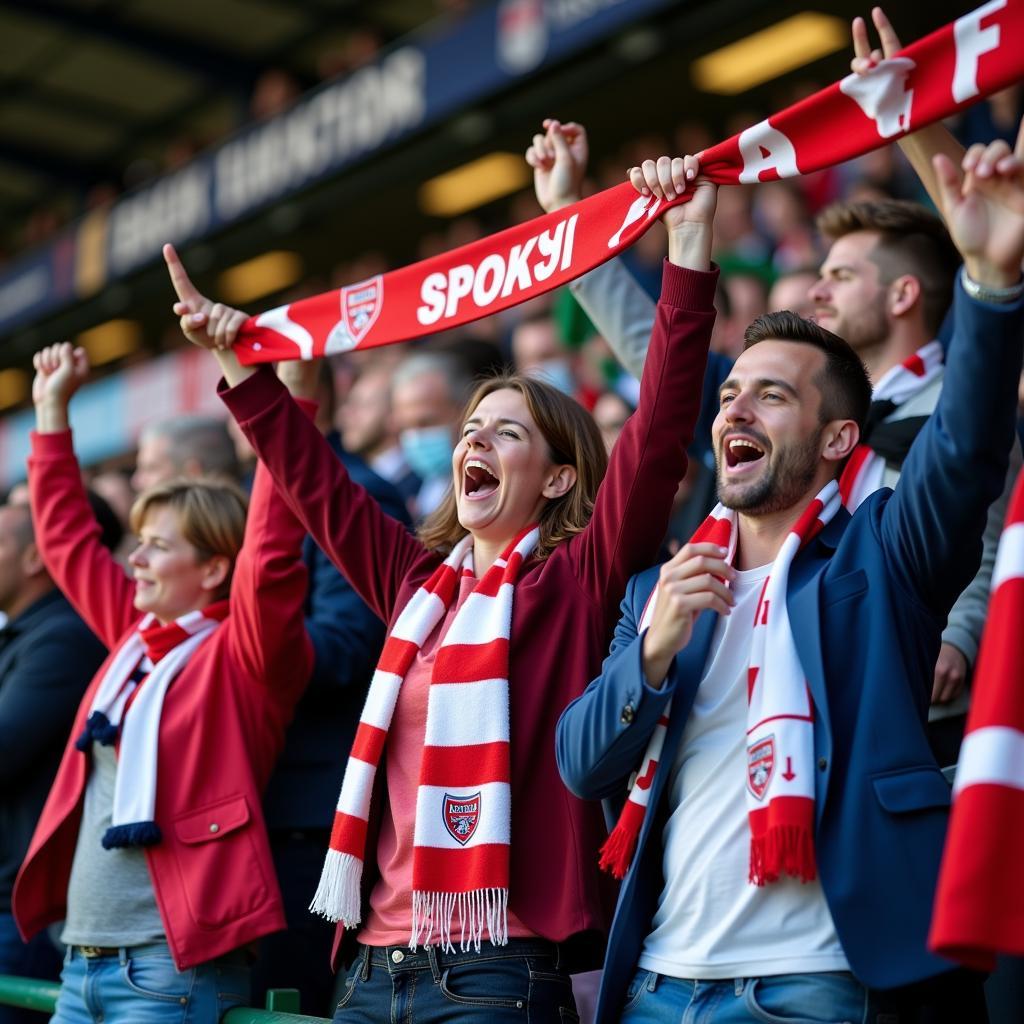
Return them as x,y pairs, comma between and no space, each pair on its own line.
30,994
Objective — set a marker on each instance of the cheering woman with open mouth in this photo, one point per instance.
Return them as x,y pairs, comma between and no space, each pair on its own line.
459,863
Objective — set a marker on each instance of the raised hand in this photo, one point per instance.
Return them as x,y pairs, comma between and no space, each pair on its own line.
208,324
669,177
689,224
558,157
983,206
60,371
864,57
693,580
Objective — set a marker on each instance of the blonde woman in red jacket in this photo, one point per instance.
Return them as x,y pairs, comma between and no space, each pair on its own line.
481,888
151,845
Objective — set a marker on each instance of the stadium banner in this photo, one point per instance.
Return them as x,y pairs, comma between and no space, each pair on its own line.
953,67
409,88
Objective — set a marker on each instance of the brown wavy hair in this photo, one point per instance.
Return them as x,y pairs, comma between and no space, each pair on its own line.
573,440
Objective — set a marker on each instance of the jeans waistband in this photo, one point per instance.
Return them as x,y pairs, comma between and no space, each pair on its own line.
83,952
431,958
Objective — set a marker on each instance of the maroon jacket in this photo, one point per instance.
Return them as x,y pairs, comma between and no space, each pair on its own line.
565,607
221,727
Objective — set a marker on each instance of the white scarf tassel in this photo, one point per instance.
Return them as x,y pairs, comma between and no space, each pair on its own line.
337,896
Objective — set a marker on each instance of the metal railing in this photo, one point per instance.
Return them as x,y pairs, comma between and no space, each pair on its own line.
282,1003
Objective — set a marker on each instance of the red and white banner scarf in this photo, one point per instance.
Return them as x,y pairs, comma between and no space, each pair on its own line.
933,78
979,905
780,720
126,710
464,804
865,469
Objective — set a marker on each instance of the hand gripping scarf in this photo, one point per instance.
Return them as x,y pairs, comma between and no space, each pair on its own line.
128,703
979,904
780,720
863,473
463,805
931,79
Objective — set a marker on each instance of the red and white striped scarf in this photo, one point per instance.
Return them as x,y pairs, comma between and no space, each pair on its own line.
979,905
865,469
463,805
780,720
126,710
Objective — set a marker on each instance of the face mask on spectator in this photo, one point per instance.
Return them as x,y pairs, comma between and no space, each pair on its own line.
557,373
428,450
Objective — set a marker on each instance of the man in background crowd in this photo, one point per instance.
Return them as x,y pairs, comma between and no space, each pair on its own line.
428,390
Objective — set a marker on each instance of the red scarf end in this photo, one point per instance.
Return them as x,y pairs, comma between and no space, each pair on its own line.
617,852
783,850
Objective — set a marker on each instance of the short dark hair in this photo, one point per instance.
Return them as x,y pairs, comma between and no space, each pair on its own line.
844,383
912,240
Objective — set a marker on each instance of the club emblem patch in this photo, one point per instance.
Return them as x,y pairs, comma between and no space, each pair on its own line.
461,816
360,306
760,765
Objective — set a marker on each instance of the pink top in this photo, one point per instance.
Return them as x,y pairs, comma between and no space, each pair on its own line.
389,922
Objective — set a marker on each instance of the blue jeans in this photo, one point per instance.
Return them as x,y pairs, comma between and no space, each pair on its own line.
831,997
522,982
141,985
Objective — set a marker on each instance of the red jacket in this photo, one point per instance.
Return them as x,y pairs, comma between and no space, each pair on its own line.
221,728
565,607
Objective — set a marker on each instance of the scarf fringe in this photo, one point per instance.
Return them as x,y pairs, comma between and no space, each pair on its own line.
618,849
783,850
338,895
136,833
433,913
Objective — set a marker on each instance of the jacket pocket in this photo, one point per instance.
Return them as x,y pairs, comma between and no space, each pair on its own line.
912,789
220,867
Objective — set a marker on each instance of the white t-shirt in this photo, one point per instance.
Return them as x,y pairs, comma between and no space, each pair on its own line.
711,921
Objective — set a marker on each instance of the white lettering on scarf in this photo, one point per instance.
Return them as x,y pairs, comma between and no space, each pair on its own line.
497,274
971,42
883,95
765,148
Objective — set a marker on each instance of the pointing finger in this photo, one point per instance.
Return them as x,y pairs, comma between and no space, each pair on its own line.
181,282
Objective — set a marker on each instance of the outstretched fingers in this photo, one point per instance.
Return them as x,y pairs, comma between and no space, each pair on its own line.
180,281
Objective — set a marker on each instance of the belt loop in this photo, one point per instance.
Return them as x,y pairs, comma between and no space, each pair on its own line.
435,967
122,955
558,956
652,981
364,971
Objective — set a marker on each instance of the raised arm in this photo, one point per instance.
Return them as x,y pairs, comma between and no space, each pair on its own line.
66,530
649,459
373,550
610,295
266,628
933,524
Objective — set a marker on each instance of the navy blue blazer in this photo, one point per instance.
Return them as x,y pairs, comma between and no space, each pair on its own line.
867,600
